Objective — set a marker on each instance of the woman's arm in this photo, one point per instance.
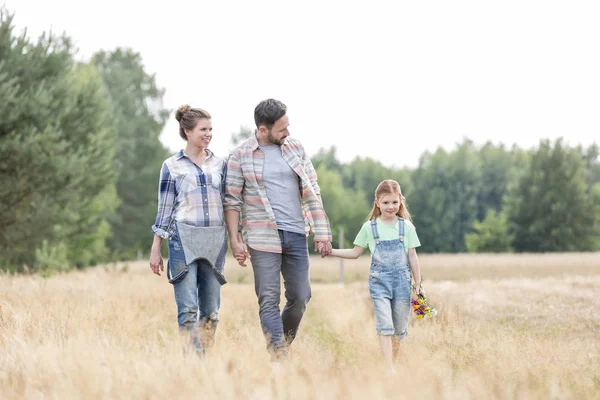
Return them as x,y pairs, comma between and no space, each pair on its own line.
413,261
348,253
166,201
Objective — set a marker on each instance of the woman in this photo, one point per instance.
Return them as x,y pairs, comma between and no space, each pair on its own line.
190,215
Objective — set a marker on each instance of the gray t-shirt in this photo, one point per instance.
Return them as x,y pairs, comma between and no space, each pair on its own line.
283,190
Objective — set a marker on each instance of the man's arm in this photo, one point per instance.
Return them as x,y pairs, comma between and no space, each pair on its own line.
312,175
323,247
232,204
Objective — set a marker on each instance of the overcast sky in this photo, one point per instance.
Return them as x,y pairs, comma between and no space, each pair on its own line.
388,80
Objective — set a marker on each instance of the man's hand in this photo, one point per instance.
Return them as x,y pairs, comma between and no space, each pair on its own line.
156,262
324,248
239,250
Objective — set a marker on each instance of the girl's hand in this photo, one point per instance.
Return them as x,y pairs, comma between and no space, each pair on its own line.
418,289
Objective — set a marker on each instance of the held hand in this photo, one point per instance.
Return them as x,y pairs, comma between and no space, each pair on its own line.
156,262
324,248
240,251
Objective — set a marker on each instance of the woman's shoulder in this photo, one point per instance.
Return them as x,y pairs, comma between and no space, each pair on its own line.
171,160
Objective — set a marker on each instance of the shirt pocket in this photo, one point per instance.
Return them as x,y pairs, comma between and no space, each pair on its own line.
215,180
186,183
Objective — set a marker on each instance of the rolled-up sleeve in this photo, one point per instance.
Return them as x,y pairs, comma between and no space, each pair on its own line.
312,174
234,184
166,202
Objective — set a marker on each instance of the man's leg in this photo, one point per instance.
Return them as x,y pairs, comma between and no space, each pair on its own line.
209,292
294,268
267,281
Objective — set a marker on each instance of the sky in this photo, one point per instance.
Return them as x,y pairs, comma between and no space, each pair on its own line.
382,79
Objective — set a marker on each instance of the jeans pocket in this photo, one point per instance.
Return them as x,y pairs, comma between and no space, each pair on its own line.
374,275
176,266
176,271
408,277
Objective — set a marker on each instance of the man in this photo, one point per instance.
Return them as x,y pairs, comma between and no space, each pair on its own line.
272,183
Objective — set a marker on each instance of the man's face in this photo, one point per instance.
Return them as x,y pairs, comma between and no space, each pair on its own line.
279,131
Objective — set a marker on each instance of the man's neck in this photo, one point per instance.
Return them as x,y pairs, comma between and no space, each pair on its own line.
262,140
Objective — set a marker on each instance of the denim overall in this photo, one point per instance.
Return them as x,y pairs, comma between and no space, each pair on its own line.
390,284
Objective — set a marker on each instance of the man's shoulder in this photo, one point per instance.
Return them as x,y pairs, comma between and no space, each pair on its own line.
294,144
247,145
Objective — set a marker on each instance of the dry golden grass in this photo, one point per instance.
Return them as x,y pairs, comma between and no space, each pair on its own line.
509,326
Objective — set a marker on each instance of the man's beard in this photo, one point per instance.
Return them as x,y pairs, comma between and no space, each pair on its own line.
272,139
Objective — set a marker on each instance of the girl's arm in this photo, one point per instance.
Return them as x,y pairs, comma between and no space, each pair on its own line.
413,261
348,253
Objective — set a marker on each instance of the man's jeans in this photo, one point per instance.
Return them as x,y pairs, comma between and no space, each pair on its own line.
292,263
197,290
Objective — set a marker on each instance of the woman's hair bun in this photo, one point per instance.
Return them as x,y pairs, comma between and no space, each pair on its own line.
182,110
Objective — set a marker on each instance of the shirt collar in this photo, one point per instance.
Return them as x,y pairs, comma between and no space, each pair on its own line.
254,142
180,154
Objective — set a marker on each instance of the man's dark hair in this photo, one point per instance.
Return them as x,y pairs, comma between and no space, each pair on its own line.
268,111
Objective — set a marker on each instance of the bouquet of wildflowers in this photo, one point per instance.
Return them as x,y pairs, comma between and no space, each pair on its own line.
421,306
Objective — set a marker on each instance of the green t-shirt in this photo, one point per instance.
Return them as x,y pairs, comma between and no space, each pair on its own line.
387,232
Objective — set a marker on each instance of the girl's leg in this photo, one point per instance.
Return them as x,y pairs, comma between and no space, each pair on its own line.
400,314
385,343
395,347
385,326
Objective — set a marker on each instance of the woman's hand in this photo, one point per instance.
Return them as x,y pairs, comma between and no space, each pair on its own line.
156,261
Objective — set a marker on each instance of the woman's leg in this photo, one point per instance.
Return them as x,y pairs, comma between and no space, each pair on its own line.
186,298
209,293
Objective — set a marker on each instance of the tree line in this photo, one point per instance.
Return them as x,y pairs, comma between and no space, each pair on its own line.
80,155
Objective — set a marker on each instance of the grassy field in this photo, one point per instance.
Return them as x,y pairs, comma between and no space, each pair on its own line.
509,326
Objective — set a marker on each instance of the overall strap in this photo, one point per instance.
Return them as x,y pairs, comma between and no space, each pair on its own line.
375,231
401,229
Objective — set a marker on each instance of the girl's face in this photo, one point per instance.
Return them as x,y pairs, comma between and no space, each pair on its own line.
389,204
201,135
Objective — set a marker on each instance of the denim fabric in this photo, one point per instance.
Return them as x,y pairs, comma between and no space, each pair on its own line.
293,264
390,285
197,295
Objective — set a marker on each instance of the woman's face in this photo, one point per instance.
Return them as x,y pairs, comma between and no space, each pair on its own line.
201,135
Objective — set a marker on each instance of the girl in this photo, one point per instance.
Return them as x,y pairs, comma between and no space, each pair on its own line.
392,240
190,215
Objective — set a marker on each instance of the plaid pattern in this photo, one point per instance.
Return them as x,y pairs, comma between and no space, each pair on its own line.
245,192
190,194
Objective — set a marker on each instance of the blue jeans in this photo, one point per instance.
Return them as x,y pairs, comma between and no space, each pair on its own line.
280,329
198,299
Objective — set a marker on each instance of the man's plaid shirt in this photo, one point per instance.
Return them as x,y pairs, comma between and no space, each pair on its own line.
245,192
